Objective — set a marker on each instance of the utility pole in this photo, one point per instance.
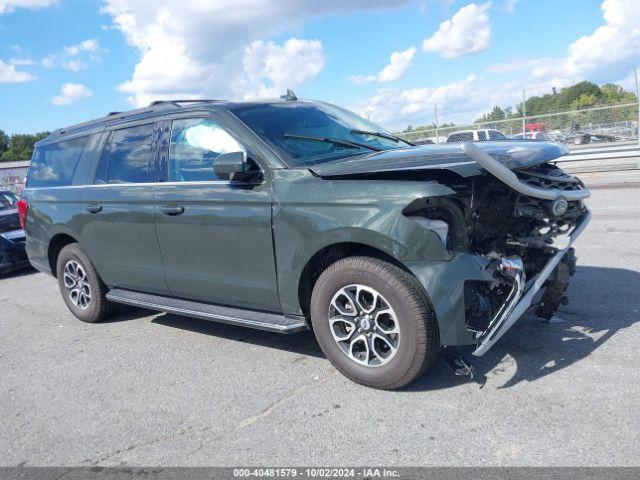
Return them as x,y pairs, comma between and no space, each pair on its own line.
524,113
435,108
635,73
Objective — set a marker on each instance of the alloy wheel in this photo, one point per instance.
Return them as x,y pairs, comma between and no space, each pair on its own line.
364,325
77,284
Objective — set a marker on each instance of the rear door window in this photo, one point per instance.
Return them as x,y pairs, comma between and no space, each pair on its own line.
482,136
129,156
54,164
496,135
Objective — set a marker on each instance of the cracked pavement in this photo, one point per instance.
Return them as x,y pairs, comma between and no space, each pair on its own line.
157,389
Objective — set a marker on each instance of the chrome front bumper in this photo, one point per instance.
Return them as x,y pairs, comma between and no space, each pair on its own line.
521,296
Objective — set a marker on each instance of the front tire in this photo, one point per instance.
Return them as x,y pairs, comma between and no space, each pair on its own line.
374,322
80,285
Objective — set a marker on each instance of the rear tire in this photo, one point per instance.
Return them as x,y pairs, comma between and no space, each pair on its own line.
81,287
374,322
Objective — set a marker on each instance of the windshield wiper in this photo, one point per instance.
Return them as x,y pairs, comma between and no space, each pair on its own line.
388,136
335,141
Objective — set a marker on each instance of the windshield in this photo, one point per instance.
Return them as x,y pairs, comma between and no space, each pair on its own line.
312,133
8,201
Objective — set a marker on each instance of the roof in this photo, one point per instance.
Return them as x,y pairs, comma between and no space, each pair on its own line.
160,107
9,165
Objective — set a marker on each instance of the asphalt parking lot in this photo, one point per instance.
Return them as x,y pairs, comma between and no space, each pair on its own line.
157,389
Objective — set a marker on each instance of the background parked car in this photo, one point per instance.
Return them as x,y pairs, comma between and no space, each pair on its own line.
540,136
481,135
12,237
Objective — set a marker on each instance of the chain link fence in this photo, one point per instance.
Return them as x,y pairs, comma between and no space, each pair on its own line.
589,126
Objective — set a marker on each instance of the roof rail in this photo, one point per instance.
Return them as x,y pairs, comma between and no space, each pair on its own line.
178,102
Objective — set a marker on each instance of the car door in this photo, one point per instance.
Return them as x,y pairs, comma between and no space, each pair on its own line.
214,234
118,221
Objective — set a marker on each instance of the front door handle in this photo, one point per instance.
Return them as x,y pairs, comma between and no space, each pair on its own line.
94,208
167,210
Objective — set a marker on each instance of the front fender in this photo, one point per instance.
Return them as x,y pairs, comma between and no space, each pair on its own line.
310,214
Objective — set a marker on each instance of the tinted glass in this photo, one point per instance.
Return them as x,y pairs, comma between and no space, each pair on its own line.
496,135
460,137
130,156
482,136
8,201
274,122
195,145
53,165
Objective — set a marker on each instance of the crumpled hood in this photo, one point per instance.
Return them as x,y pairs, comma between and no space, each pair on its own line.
513,154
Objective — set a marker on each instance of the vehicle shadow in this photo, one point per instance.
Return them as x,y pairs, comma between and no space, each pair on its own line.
602,302
18,273
303,343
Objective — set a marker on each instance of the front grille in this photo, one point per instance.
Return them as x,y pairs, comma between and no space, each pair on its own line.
549,176
511,223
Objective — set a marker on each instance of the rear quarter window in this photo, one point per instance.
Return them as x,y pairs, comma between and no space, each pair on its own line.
54,164
460,137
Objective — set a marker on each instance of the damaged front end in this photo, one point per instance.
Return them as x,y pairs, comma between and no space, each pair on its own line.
511,233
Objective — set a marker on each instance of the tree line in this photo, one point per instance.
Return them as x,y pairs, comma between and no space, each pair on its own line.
18,146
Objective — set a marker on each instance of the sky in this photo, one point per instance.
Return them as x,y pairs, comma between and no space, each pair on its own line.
393,61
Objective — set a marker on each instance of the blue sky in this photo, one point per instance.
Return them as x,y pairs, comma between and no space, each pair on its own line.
67,61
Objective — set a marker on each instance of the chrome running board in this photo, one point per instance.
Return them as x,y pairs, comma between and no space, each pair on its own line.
271,322
512,313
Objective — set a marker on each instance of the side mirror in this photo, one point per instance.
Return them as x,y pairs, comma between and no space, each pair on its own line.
226,165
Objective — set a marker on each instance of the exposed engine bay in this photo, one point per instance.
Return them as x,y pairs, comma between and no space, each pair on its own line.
512,230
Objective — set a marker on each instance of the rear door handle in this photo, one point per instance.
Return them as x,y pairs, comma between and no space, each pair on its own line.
94,208
167,210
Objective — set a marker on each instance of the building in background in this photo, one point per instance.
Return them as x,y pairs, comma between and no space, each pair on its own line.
13,175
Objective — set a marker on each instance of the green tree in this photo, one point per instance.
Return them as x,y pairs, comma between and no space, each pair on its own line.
4,142
20,146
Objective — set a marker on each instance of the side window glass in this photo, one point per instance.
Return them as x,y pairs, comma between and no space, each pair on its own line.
130,156
54,165
195,145
482,136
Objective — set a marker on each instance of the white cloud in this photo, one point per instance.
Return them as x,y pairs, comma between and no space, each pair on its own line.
49,61
393,107
468,31
510,6
399,63
71,92
22,62
9,74
75,57
269,69
192,48
75,65
7,6
90,45
609,53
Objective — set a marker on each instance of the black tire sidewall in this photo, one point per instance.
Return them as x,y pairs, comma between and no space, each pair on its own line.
410,328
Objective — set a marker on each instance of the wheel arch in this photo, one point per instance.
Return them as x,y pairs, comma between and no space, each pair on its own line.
329,254
56,244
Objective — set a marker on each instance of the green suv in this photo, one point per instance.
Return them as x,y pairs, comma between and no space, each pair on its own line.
290,215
